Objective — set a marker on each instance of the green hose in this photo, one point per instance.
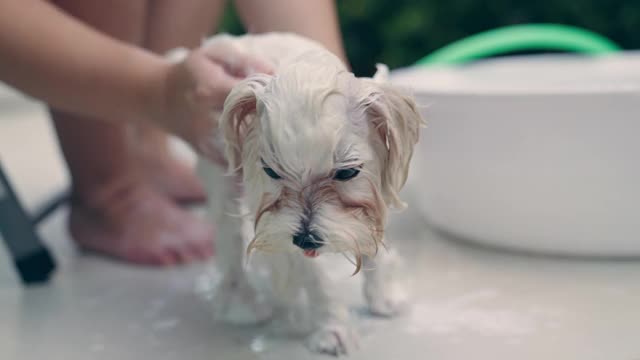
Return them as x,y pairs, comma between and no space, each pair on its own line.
520,38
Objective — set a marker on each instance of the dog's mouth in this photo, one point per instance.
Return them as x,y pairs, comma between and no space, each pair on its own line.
311,253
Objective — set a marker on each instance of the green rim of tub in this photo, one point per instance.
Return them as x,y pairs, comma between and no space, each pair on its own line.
525,37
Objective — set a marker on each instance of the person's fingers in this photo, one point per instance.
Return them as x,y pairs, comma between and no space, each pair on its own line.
212,84
238,63
164,257
182,254
201,251
246,65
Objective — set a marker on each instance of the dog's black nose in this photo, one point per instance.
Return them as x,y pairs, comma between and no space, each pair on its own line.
307,240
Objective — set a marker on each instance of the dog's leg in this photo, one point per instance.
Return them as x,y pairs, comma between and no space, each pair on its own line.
331,333
235,301
383,290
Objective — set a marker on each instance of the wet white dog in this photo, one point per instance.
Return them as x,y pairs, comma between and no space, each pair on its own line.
317,157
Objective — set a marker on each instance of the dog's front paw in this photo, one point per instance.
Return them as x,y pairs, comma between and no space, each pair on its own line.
385,295
386,305
238,303
333,340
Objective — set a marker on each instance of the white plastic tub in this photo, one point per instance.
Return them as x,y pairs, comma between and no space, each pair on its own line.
536,153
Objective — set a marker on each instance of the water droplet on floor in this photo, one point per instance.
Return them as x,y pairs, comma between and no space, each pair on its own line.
258,344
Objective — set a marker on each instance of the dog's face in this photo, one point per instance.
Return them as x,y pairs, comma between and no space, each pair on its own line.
323,155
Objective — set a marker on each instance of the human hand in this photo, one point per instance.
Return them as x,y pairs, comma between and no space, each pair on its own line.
195,88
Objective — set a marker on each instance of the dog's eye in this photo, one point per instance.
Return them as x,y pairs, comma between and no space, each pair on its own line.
272,174
346,174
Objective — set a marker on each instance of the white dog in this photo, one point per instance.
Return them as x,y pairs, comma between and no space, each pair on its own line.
316,156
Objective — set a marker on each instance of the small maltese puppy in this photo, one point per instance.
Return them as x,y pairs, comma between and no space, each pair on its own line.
316,158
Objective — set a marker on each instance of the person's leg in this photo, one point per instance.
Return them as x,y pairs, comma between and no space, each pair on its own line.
172,24
114,211
315,19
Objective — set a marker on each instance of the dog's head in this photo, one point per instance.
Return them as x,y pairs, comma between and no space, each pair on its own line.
323,155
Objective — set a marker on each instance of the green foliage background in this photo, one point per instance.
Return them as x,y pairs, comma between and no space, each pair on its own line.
399,32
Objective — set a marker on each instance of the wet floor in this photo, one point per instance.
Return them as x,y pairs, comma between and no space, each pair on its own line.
468,302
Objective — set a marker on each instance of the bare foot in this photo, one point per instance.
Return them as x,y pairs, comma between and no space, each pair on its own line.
164,170
135,224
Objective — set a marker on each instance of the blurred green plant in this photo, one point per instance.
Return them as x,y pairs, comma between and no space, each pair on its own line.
400,32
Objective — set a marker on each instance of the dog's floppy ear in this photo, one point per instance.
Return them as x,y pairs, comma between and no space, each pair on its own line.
396,120
239,114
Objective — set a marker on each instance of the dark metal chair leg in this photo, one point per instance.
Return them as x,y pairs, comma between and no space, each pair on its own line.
31,257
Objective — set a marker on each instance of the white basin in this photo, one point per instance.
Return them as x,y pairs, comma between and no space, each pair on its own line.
538,153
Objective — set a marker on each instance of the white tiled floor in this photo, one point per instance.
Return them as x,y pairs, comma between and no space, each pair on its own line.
469,302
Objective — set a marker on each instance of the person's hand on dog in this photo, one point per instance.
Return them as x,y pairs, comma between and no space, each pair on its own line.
195,88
